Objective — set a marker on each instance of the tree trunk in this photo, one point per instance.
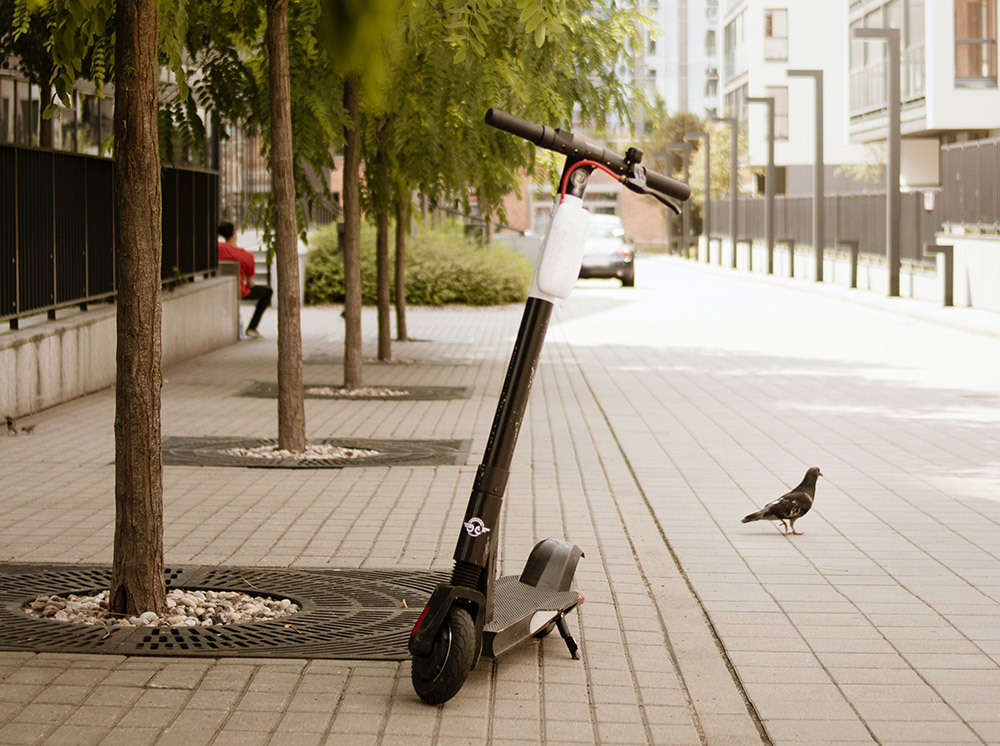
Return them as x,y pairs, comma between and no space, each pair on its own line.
383,286
352,237
291,408
382,278
402,229
137,583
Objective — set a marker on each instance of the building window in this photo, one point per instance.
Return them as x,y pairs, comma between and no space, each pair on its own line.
734,46
975,42
736,102
780,96
776,34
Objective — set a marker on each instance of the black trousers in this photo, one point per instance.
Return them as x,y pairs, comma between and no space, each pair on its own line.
262,294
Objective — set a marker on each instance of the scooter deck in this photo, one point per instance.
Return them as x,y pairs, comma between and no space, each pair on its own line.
521,611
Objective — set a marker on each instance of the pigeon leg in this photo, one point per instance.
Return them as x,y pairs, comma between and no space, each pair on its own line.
797,533
784,526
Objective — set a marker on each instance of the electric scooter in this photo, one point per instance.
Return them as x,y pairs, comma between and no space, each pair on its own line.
478,614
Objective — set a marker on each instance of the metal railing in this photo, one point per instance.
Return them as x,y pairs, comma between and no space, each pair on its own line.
245,181
970,185
868,92
57,240
849,217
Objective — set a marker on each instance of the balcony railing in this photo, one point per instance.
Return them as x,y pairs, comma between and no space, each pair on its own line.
868,85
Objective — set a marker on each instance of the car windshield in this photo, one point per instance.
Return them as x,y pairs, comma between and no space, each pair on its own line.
606,229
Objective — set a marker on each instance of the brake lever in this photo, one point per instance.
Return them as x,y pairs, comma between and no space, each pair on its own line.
660,198
638,185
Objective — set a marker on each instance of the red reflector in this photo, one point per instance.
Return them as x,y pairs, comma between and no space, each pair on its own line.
624,253
420,620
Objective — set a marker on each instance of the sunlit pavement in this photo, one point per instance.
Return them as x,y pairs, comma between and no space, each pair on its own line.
661,415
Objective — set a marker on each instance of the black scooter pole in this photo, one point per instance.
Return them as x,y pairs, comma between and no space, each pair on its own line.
475,550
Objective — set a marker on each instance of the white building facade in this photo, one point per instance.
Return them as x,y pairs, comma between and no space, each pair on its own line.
761,41
679,60
948,77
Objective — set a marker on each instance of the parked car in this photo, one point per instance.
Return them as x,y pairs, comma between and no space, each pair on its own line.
608,252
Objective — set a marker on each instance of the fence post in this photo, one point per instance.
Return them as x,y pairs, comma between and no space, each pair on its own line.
948,252
852,246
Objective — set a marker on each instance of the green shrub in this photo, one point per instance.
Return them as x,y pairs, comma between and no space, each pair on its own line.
441,267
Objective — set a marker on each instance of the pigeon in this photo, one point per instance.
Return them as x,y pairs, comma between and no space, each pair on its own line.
792,505
11,427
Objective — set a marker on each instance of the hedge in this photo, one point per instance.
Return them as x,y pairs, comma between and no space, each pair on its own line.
442,266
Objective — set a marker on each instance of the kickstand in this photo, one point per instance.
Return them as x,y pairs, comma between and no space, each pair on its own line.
567,637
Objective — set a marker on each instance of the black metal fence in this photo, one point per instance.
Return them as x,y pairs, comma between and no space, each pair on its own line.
848,217
57,238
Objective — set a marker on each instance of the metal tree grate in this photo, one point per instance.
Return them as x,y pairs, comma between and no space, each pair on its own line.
345,614
393,393
213,451
322,359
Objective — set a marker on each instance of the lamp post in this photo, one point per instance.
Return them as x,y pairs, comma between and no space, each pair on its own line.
685,150
819,197
734,165
768,184
706,223
892,199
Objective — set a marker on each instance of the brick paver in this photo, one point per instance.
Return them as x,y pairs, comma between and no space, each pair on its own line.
660,416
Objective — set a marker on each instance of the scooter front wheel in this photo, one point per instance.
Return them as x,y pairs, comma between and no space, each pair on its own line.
439,676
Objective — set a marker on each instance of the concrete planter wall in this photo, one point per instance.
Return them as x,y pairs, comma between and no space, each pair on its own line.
977,270
914,282
55,361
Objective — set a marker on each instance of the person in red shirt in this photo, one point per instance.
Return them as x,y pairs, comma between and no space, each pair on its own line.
229,251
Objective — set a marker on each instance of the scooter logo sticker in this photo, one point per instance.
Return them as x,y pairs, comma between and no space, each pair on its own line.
475,527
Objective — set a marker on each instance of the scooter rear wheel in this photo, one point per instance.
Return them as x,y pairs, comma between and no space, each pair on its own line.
439,676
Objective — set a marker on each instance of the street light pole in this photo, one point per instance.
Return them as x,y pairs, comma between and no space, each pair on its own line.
706,223
892,199
734,165
684,149
768,184
819,196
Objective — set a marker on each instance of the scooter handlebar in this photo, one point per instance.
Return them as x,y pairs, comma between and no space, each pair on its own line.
569,144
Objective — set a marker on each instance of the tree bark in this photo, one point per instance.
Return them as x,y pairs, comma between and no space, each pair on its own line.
291,406
382,278
137,582
352,237
402,230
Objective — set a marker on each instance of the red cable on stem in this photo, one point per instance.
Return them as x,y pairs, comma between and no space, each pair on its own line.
578,164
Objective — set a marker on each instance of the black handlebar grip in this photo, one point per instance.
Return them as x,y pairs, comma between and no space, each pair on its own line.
515,125
666,185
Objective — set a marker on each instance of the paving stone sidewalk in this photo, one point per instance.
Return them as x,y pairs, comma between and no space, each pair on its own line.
660,416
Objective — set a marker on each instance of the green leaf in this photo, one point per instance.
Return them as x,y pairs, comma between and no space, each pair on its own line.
540,35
